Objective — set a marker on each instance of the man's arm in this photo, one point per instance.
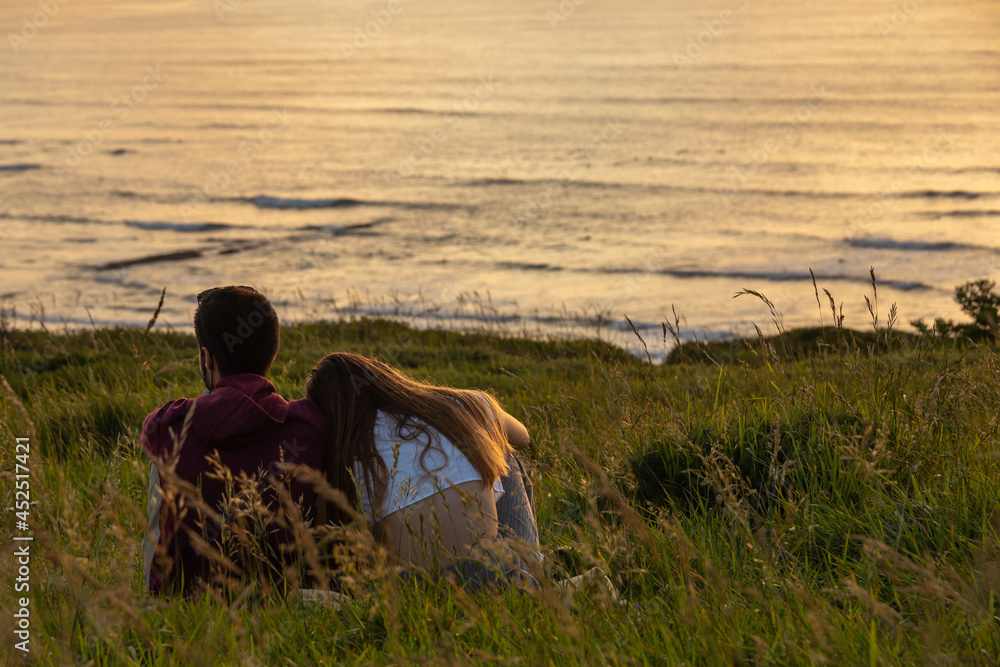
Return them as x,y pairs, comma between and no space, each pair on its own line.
157,444
151,541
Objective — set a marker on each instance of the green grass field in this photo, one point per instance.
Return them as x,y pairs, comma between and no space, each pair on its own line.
822,497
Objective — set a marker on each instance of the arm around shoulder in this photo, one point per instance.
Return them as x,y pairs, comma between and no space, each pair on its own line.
517,434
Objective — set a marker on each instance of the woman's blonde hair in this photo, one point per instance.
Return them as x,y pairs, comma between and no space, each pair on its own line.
350,389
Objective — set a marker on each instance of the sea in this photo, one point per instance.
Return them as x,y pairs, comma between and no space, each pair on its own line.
543,167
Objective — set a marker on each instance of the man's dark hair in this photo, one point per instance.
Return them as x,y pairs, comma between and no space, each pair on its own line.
239,327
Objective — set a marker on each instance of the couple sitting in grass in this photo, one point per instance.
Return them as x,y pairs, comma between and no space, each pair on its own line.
243,481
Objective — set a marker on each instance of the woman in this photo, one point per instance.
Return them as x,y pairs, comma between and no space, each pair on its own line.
425,464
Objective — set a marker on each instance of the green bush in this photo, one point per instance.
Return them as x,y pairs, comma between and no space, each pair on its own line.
978,299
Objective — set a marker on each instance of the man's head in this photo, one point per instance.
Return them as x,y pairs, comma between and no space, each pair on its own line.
237,332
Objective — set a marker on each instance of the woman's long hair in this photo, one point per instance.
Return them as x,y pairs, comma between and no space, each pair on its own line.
350,389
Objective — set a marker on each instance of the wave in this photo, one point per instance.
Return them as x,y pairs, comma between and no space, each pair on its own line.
292,203
724,188
227,126
930,246
956,194
770,276
977,170
265,201
527,266
52,218
428,205
20,166
946,194
81,323
496,181
916,194
406,110
777,276
188,227
150,259
340,230
934,215
157,197
179,226
541,182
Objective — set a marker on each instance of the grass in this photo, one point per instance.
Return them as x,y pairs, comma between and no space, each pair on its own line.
819,497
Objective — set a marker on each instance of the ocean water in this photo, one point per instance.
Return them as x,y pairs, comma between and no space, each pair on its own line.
552,167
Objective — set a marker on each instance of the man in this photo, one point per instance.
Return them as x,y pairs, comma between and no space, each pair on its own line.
209,456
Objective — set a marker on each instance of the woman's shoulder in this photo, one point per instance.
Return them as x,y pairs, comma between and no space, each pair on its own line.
391,428
478,396
385,419
386,424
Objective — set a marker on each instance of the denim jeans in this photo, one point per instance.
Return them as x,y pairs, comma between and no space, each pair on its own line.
516,507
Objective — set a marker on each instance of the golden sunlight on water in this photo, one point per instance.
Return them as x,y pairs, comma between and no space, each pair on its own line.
567,158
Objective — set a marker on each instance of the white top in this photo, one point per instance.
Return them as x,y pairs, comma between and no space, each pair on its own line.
410,481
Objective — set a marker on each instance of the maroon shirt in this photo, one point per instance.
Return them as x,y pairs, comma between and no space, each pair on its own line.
252,428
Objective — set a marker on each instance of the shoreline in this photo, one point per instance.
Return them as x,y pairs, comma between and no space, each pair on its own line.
476,313
791,343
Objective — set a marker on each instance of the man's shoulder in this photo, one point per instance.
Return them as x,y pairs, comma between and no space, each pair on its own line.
158,424
306,410
299,418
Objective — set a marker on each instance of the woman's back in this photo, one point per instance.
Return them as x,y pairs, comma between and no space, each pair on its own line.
436,506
